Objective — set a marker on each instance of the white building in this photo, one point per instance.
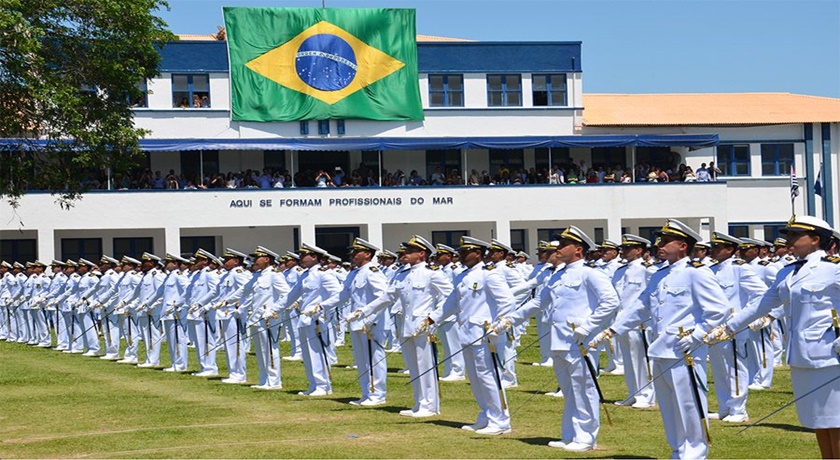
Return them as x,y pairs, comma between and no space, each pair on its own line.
488,106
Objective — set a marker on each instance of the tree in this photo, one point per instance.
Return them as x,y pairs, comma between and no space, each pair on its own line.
69,70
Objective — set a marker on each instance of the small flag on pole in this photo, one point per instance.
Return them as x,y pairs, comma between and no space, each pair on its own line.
794,184
818,183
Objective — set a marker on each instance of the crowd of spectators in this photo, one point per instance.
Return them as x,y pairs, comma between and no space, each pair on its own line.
365,176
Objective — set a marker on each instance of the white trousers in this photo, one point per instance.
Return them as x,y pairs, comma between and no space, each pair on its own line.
131,331
315,357
89,336
111,332
150,335
203,336
267,349
724,367
176,340
581,411
680,414
233,337
417,353
485,387
453,365
760,357
74,331
366,353
636,370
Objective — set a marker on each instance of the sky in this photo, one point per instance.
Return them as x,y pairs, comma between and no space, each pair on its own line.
629,46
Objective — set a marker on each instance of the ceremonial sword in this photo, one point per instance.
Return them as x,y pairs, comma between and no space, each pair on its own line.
689,361
593,373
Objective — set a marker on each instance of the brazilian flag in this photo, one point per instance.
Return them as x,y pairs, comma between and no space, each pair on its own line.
291,64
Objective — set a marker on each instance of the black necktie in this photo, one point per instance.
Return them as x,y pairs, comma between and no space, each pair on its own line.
798,264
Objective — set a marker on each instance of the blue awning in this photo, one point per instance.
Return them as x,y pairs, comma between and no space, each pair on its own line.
408,143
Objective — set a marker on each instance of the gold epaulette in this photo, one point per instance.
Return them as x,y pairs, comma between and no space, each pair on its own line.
739,262
489,267
832,259
648,263
325,268
697,264
239,270
436,267
374,269
511,265
277,270
764,263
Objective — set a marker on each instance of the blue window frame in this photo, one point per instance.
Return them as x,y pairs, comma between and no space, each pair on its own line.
504,90
304,127
517,240
446,90
734,159
549,89
776,159
739,230
323,127
450,238
771,231
190,90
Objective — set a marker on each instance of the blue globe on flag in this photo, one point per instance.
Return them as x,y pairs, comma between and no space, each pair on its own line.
326,62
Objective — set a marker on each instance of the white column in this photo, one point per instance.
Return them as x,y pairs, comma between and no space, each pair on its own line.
46,245
307,233
172,240
503,231
374,234
613,230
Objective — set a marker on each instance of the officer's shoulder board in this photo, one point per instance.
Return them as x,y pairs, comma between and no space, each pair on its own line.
697,264
832,259
154,272
590,264
325,268
300,269
489,267
220,271
511,264
374,268
277,270
764,263
740,262
239,270
647,263
455,265
434,267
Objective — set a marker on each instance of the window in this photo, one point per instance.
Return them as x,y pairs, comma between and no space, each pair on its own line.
734,160
508,159
340,129
191,91
739,231
504,90
649,233
18,250
304,127
776,159
191,244
446,90
517,240
450,238
442,162
77,248
132,247
141,99
608,157
323,127
549,234
598,234
771,231
545,157
549,90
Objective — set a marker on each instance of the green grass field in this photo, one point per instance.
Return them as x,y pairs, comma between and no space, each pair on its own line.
60,405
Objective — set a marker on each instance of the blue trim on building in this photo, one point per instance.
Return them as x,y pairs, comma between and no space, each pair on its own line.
449,57
826,176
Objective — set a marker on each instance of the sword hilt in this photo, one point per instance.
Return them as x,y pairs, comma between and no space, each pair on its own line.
836,322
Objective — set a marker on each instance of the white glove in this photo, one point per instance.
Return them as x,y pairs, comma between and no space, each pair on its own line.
268,314
312,311
580,332
761,323
426,326
354,316
139,308
601,338
500,325
836,345
690,342
718,334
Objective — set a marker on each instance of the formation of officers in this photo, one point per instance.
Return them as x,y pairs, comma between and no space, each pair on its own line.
661,311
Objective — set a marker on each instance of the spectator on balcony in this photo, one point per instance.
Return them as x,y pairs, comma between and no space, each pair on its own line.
625,178
703,173
196,103
664,176
688,175
322,179
338,176
609,176
714,172
555,177
437,177
454,177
